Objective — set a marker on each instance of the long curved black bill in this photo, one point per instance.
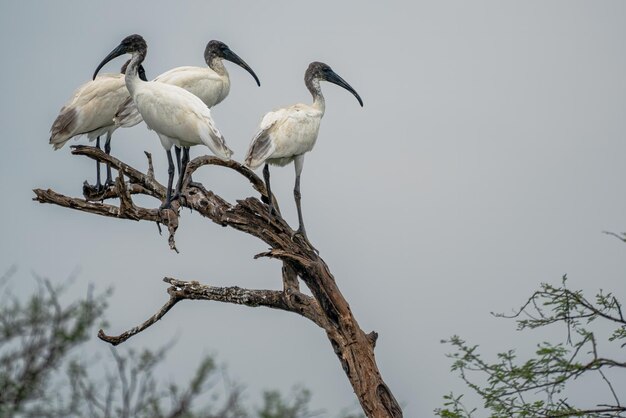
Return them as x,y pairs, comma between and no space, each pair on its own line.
119,50
234,58
332,77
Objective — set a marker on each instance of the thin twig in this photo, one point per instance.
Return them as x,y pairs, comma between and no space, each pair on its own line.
613,234
115,340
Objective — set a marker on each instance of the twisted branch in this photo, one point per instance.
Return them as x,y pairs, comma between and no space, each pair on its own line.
290,300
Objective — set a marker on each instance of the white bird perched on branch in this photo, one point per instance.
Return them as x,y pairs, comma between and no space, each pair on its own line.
90,111
211,83
286,134
177,116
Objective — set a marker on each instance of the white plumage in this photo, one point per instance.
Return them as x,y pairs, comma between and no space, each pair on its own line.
284,134
211,87
178,117
90,111
203,83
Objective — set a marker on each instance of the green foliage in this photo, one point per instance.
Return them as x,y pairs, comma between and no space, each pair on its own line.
535,387
275,406
296,405
39,376
35,337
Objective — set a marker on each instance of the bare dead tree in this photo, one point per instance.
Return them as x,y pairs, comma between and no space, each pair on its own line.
327,307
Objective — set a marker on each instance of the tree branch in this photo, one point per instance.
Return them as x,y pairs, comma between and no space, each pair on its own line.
115,340
588,412
50,196
133,174
294,301
127,209
198,162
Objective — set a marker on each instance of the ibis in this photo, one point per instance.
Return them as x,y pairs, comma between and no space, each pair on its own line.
90,111
211,83
176,115
287,134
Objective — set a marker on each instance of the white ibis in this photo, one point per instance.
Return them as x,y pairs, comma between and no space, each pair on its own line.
177,116
90,111
286,134
211,83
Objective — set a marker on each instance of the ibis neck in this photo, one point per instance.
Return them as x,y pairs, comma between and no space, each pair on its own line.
132,71
313,85
217,64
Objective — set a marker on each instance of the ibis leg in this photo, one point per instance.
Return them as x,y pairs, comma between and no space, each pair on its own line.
181,171
266,177
297,196
98,184
191,182
179,164
177,150
107,149
170,171
298,163
186,158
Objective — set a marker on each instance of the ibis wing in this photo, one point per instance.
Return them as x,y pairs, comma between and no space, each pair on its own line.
63,127
212,137
183,76
263,145
261,148
205,83
127,114
90,109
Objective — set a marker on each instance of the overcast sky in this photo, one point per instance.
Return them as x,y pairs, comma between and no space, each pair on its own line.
489,157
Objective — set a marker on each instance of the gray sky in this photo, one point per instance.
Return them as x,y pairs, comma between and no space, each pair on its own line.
488,158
